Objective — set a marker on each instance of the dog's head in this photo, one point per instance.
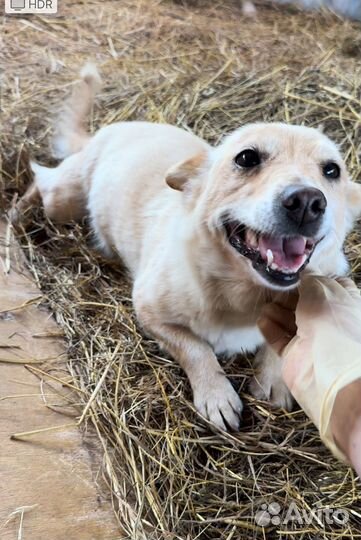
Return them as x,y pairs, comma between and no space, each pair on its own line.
278,196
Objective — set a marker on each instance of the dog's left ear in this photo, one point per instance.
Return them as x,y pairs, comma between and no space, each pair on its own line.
353,197
182,174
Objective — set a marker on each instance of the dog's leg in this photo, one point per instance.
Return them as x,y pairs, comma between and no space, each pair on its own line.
60,190
268,383
213,394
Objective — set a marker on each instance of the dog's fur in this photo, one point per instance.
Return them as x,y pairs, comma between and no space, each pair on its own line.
157,194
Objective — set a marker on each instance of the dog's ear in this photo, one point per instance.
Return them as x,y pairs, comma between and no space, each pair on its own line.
179,175
353,202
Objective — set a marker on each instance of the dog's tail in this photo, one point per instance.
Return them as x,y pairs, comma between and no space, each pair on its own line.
70,132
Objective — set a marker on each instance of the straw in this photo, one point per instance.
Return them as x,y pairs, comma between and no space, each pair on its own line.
204,67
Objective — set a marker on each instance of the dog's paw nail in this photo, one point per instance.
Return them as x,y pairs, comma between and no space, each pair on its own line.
220,404
277,393
257,391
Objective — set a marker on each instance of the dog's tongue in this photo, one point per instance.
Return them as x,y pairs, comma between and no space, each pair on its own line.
288,253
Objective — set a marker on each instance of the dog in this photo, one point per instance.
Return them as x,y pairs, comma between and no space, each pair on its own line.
208,234
346,8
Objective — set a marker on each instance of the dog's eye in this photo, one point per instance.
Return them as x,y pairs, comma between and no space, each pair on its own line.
331,170
248,158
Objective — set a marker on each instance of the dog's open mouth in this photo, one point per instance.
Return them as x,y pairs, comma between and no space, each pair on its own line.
279,259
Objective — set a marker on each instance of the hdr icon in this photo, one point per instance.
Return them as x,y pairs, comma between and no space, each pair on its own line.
43,7
41,4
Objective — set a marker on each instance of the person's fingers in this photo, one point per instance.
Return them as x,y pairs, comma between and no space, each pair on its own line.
275,335
277,325
310,285
350,287
282,316
318,292
287,300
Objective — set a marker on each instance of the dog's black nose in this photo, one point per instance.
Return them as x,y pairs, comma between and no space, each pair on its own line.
304,205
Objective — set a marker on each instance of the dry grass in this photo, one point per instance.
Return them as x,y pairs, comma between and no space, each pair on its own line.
202,66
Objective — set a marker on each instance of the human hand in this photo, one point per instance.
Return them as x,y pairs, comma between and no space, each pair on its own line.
319,339
278,321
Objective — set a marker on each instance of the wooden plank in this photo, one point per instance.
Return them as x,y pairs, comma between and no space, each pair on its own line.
47,486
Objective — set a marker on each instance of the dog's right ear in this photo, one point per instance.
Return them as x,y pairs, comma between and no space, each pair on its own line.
181,175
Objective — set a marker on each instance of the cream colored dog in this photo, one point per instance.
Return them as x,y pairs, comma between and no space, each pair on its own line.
208,234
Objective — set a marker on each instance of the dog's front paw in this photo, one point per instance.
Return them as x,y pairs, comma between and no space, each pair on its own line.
273,390
217,401
268,383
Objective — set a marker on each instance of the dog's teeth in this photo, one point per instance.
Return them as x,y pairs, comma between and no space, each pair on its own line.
269,257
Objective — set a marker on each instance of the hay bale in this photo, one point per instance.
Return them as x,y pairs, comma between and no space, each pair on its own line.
204,67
